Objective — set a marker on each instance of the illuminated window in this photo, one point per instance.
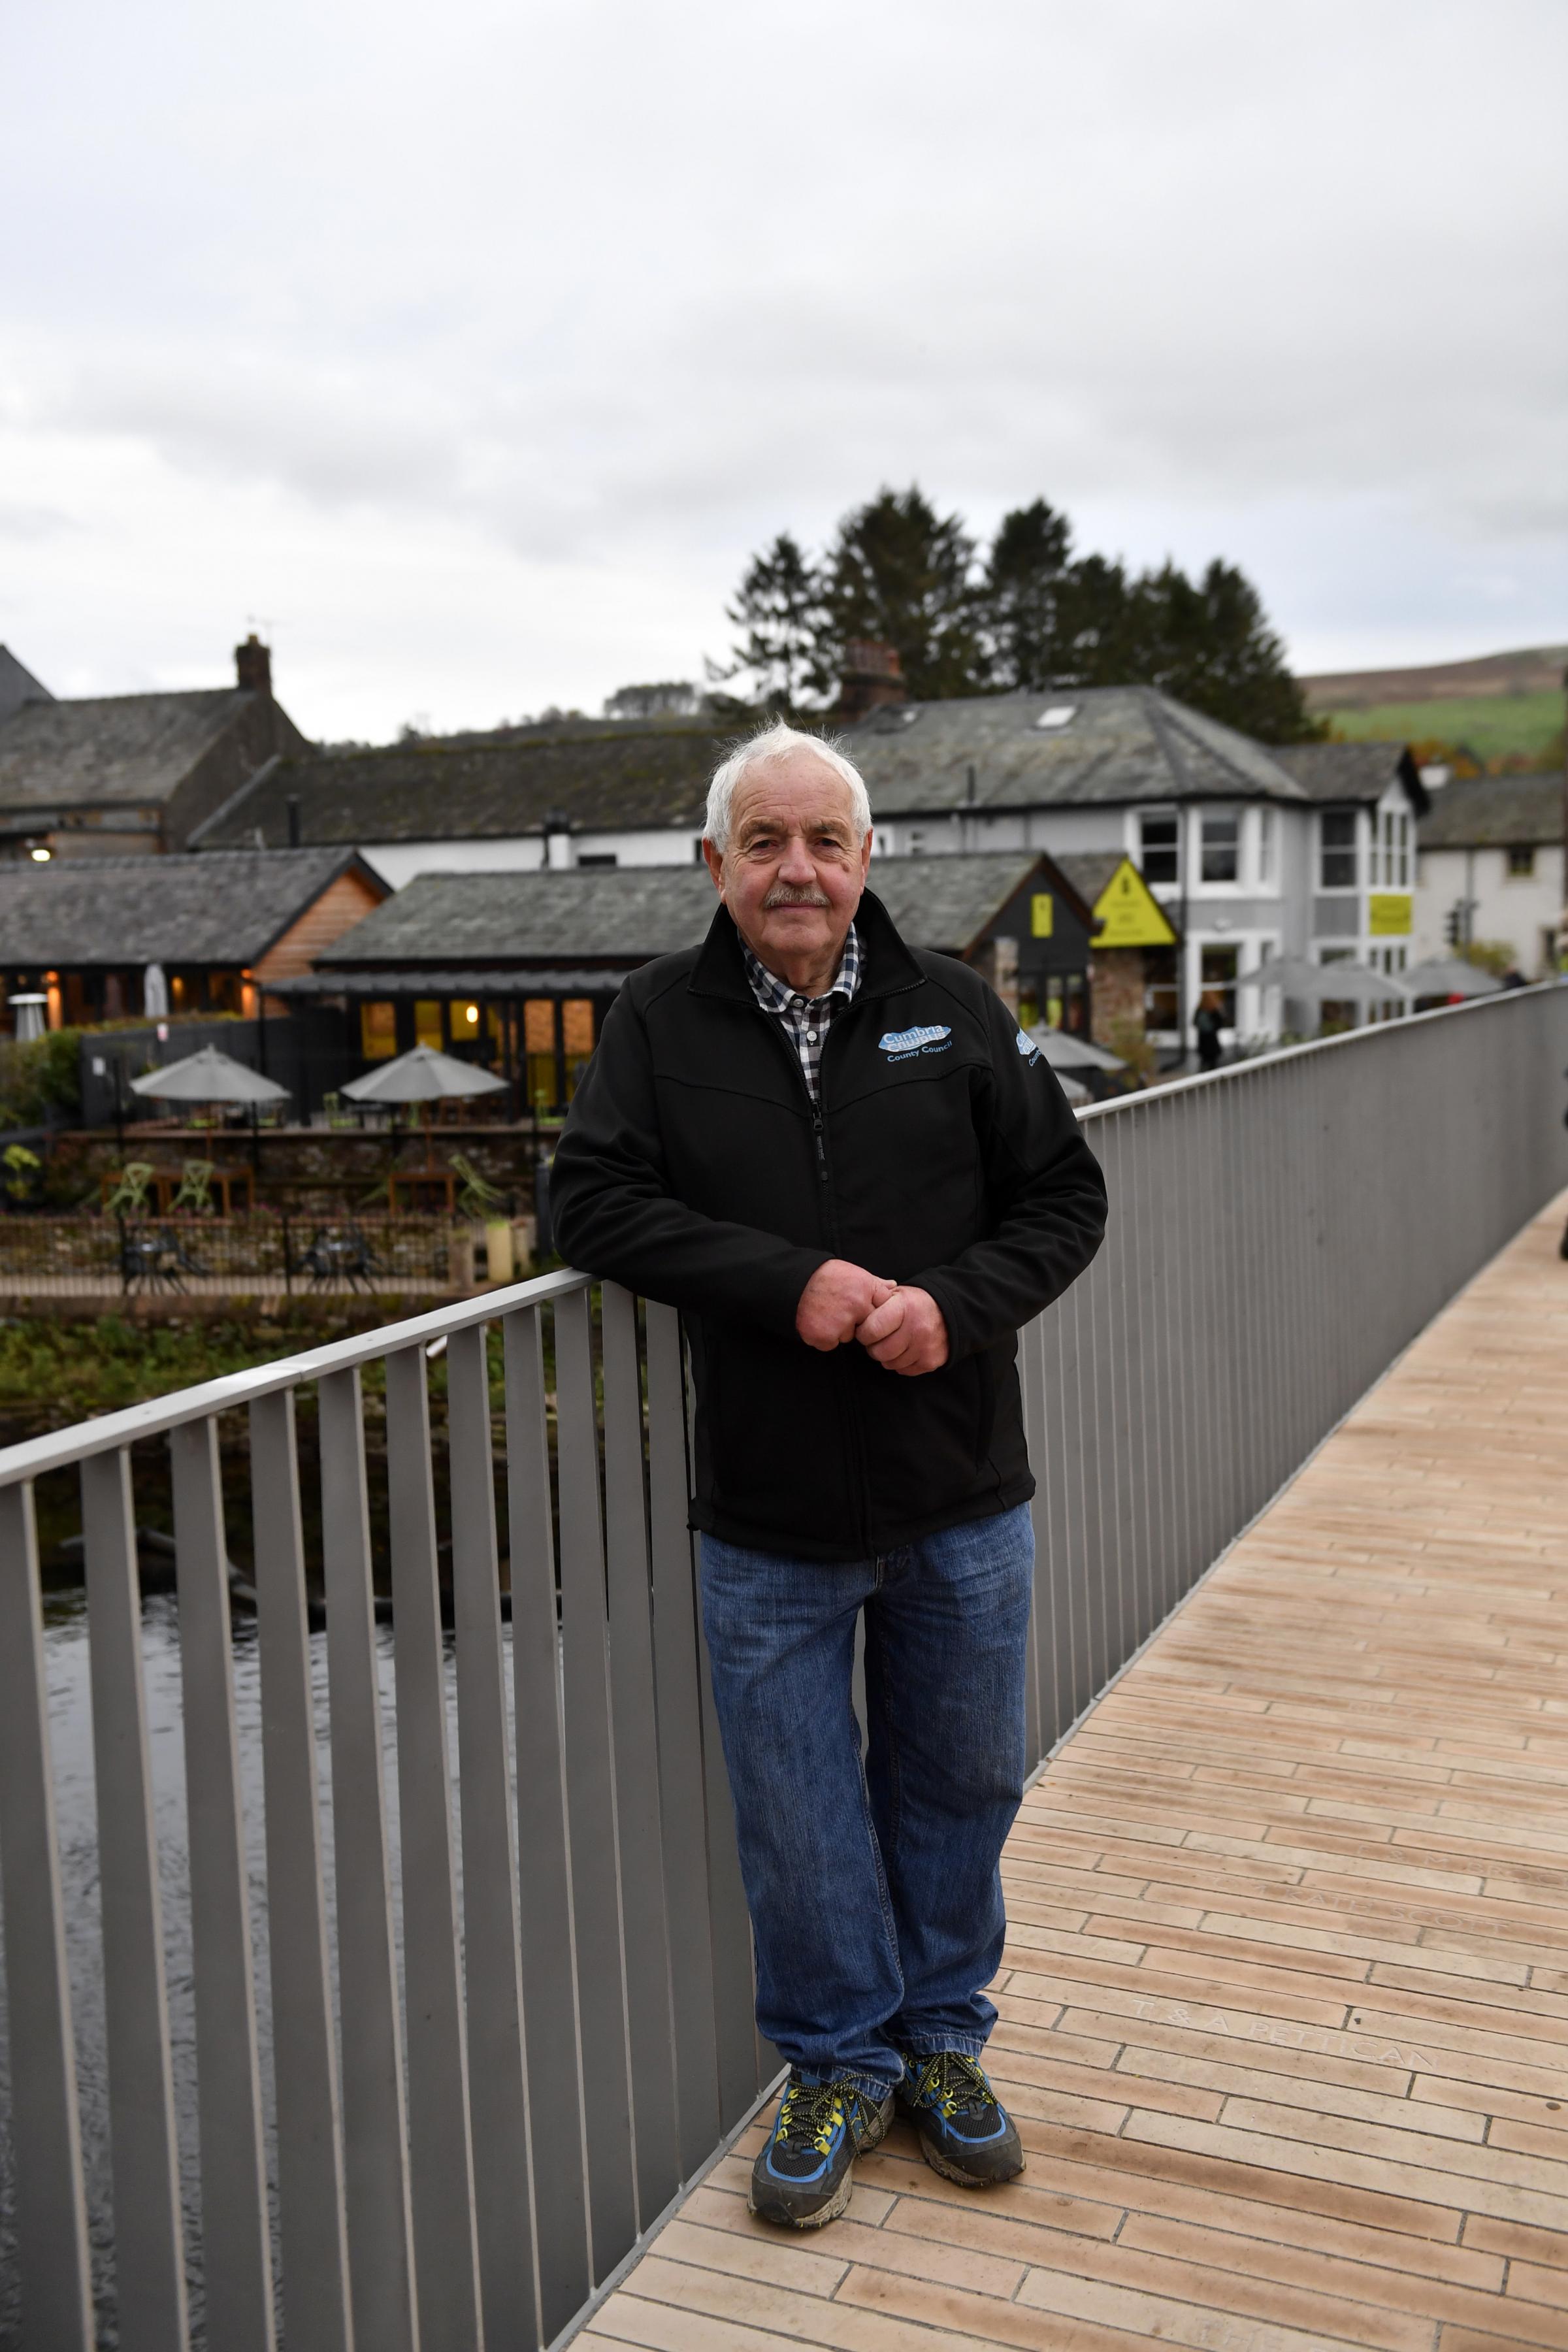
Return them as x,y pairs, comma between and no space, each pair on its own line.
428,1023
1216,977
539,1050
377,1032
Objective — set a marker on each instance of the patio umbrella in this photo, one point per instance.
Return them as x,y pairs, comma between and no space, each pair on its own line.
423,1076
1449,976
1073,1088
1063,1051
210,1076
1327,983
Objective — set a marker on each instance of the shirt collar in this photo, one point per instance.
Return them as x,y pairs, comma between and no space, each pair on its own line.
774,994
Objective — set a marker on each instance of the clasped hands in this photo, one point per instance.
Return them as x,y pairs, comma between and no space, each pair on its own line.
900,1326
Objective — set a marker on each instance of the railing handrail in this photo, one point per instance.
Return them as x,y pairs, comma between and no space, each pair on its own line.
1277,1054
61,1448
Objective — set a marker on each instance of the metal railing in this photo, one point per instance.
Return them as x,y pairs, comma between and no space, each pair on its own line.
487,2056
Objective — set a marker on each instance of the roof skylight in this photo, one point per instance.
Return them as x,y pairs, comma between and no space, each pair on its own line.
1058,714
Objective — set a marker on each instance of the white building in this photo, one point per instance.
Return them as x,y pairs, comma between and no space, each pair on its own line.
1259,853
1489,868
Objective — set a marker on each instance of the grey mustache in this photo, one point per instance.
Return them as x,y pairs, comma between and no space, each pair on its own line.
782,896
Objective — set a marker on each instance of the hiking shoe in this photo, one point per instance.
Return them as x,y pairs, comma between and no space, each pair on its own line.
803,2175
966,2132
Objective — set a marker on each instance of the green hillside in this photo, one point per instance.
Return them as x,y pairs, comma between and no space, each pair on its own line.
1492,725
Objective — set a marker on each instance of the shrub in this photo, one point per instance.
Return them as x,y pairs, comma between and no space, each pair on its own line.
39,1075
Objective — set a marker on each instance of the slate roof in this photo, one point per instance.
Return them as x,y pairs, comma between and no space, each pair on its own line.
1088,871
1352,771
1122,744
17,685
1494,812
177,910
622,915
602,777
135,749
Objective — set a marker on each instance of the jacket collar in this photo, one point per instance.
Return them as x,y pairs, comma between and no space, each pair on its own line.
887,965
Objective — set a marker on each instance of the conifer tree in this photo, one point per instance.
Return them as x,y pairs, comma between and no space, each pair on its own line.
899,573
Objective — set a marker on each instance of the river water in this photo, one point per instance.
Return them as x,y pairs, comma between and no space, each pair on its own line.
66,1656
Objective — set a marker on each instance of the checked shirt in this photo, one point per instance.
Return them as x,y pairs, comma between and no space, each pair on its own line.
806,1019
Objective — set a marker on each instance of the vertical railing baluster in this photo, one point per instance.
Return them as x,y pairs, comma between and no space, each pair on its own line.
491,1957
45,2129
682,1806
376,2124
549,1979
149,2241
590,1797
445,2248
639,1834
236,2256
311,2217
734,1985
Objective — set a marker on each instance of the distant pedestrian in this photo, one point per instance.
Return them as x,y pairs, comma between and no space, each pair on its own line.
1207,1023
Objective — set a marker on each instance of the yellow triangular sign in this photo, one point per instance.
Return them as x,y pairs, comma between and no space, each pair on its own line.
1128,914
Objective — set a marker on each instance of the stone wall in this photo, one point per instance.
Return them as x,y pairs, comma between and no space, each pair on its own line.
1116,992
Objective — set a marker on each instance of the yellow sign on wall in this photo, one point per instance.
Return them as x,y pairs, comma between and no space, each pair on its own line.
1042,915
1128,914
1388,914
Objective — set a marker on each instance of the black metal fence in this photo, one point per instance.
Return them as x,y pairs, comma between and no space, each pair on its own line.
99,1255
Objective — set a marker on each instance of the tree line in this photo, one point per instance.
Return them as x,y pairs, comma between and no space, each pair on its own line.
1023,614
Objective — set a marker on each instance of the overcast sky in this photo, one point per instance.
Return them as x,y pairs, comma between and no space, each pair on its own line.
467,353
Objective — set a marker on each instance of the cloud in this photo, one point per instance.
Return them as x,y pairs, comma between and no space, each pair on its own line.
556,315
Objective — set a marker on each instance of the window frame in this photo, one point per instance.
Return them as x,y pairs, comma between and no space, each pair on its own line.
1325,849
1173,848
1221,818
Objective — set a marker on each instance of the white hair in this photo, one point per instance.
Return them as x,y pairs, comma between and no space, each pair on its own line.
777,742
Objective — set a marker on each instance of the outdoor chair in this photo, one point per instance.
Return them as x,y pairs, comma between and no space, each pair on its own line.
341,1256
158,1260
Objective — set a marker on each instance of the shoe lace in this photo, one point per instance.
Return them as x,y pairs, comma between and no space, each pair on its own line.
807,2114
954,2083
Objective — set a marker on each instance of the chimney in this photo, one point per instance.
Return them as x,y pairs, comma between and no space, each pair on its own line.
870,679
557,832
253,664
292,805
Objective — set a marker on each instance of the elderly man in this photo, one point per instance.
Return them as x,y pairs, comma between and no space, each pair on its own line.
848,1167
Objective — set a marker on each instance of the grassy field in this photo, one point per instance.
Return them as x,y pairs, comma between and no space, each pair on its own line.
1492,725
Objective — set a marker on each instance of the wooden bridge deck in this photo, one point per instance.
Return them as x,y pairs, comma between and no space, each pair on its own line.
1285,2006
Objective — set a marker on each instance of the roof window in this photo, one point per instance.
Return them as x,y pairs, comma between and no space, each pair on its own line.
1058,714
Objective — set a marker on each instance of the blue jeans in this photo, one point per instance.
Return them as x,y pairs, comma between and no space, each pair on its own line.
875,1891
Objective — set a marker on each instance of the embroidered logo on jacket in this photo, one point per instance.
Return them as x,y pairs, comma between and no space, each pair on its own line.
1027,1046
899,1044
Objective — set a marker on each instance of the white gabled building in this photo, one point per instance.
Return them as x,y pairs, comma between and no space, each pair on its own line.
1258,852
1489,868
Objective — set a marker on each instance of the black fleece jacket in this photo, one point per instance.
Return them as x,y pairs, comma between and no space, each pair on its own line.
696,1169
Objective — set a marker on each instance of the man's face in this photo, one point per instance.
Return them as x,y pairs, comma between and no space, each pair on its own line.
794,868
